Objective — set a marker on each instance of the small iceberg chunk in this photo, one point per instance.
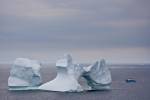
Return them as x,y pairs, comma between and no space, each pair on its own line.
24,74
130,80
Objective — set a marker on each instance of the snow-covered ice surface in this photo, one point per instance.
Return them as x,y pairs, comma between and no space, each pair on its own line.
24,74
66,79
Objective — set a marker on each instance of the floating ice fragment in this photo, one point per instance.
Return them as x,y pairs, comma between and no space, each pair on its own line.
130,80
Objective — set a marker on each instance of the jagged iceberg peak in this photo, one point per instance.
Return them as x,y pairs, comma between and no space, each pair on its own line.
24,72
65,61
66,79
25,62
98,75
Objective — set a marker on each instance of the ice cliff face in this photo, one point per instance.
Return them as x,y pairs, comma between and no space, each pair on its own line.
98,76
24,73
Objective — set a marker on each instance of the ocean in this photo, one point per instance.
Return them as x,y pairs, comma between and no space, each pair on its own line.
121,90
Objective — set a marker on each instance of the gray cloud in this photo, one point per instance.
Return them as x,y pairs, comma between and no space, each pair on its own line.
74,24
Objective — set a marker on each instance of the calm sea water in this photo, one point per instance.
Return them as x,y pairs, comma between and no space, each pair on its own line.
120,89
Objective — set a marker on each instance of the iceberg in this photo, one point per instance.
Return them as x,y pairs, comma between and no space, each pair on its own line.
24,74
67,77
98,76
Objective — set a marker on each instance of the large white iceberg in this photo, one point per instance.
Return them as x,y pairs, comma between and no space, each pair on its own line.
24,74
67,77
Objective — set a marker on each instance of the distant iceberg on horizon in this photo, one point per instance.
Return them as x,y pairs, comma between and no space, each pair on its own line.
26,73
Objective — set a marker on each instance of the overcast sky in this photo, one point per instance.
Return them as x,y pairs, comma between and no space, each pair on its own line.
117,30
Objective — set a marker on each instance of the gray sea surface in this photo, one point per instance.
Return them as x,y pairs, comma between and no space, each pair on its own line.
140,90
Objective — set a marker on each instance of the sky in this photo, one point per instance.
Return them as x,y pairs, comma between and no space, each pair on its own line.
116,30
